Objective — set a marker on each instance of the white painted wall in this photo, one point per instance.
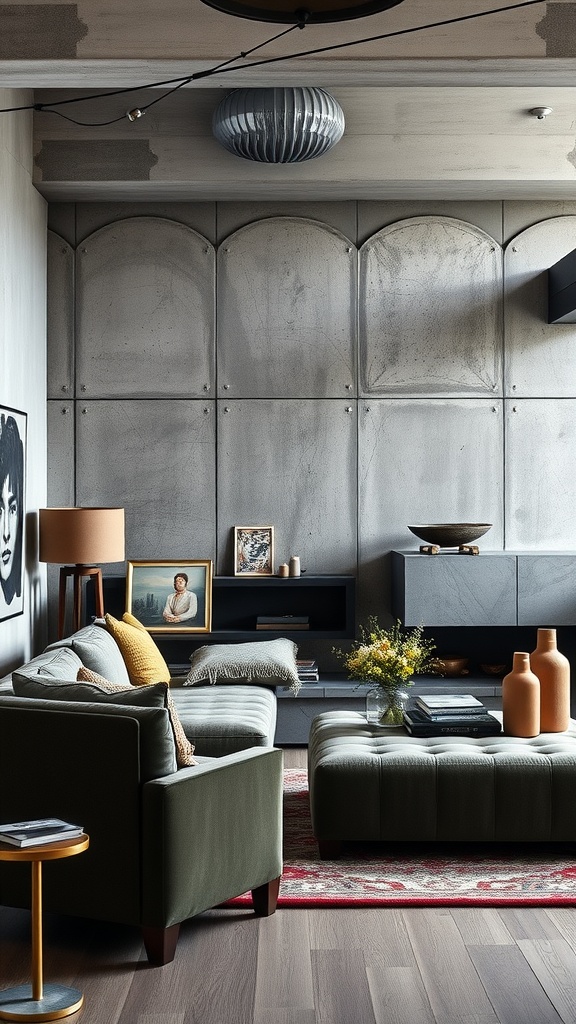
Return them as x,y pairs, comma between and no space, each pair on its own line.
23,350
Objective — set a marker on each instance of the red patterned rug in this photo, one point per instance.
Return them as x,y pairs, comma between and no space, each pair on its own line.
415,874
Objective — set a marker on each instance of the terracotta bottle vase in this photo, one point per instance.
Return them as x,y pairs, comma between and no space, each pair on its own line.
521,698
553,671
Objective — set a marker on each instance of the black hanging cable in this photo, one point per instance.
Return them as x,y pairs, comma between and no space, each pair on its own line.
225,67
372,39
49,107
220,67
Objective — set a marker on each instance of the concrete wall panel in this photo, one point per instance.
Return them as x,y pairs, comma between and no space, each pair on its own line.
340,216
429,310
145,311
423,462
61,477
60,314
541,475
201,217
156,458
61,489
286,311
540,357
373,216
292,465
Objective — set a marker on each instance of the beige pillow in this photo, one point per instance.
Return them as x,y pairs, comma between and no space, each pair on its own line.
184,749
144,661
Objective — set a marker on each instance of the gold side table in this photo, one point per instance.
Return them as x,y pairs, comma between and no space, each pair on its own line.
38,1001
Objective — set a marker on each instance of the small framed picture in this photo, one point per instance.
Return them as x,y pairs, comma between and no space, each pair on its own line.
171,597
253,550
12,511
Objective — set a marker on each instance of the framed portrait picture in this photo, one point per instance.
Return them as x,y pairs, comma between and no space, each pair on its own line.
12,511
253,550
171,597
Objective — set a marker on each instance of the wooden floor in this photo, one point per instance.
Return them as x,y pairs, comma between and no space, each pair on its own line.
372,966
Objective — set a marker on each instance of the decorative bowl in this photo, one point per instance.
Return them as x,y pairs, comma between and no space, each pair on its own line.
452,666
494,669
450,535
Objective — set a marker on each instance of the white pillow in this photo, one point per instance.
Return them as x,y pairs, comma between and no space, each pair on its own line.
266,661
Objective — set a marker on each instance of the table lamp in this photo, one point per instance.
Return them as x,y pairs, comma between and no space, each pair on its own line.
81,536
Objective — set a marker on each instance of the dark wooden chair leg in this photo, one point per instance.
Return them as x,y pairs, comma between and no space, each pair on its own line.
329,849
265,898
160,943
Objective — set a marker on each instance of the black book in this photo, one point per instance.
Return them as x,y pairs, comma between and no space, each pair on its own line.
283,620
481,724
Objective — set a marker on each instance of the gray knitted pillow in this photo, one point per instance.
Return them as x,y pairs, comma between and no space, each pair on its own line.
267,661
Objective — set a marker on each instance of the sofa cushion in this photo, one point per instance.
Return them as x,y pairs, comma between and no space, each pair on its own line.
156,742
60,663
184,749
143,660
48,688
98,650
266,661
226,719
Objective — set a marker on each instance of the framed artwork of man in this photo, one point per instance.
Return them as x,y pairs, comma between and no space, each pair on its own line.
170,596
12,511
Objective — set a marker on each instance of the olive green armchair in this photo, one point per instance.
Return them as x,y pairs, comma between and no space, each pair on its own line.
165,844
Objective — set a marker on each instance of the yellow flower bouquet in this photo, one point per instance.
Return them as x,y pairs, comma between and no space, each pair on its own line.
389,658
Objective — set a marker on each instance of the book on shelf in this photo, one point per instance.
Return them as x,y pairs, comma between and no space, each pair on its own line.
480,724
280,622
283,627
307,669
37,831
437,705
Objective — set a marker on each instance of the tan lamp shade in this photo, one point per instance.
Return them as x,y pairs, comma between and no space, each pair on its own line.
81,536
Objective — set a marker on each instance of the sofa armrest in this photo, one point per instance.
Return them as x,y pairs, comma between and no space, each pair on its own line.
210,832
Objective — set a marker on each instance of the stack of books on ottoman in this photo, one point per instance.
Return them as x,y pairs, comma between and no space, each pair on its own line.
449,714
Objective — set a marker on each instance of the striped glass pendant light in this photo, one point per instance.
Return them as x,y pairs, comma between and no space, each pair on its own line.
278,125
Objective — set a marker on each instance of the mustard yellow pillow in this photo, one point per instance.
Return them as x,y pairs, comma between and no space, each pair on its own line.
184,749
144,662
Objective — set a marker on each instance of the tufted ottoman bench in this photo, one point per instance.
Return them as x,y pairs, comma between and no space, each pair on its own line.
382,784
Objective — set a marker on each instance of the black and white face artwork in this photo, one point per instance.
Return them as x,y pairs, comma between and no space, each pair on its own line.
12,437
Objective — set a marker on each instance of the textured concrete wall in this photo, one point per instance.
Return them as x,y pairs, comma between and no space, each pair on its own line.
337,370
23,351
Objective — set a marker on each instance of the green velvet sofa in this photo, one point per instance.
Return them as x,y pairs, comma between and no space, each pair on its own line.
165,843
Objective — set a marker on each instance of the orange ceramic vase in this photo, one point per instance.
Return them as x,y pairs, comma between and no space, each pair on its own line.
553,671
521,698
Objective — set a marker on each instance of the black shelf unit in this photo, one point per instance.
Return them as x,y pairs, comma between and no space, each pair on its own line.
328,601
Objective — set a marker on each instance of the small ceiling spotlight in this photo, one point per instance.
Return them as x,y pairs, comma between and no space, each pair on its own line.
540,112
133,115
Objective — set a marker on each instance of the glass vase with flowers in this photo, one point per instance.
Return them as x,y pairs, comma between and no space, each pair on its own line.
388,658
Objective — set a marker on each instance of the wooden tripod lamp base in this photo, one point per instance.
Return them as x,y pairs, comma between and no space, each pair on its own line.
78,572
81,536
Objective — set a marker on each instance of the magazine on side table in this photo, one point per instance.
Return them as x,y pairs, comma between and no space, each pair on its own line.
37,831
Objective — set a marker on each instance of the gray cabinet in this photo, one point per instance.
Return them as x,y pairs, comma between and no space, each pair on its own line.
547,589
454,589
494,588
